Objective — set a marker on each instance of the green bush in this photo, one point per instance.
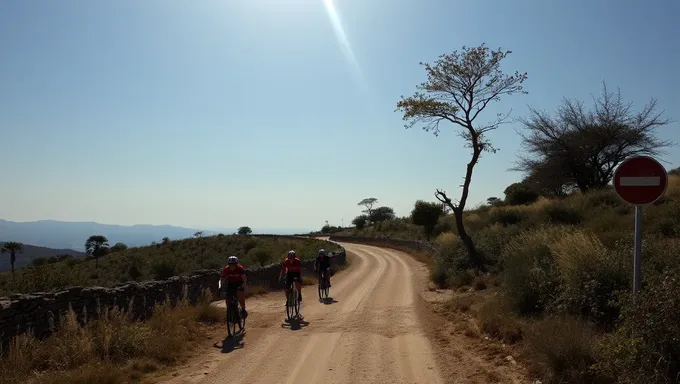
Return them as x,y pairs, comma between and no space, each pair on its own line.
591,277
507,216
646,347
520,194
531,275
559,214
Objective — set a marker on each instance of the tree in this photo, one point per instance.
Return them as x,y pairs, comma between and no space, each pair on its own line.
96,246
587,145
459,87
368,202
12,247
166,240
326,228
494,201
427,215
360,221
118,247
381,214
198,234
243,231
520,194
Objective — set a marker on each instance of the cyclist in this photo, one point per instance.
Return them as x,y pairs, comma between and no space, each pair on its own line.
294,266
323,264
235,276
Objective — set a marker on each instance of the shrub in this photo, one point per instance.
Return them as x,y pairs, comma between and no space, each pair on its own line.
646,347
496,319
165,268
507,216
563,349
559,213
520,194
450,263
531,275
591,276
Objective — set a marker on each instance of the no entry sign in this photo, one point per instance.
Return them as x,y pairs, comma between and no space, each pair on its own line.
640,180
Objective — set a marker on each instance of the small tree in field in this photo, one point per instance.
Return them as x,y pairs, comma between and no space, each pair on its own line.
96,246
459,86
12,247
243,231
368,202
427,215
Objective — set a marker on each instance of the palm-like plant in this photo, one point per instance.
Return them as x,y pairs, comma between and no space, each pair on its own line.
12,247
96,245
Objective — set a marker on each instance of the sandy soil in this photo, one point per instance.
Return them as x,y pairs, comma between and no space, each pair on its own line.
377,330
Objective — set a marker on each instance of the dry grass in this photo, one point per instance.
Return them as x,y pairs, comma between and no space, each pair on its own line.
496,319
562,349
115,349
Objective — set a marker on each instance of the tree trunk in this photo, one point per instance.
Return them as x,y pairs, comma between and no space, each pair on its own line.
12,259
474,256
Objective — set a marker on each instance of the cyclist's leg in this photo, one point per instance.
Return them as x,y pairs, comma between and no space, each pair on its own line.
241,295
328,276
298,280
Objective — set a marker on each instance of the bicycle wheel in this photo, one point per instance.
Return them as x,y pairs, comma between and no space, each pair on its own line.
296,301
231,320
290,305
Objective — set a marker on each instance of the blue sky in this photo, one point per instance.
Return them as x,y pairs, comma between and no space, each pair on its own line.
227,113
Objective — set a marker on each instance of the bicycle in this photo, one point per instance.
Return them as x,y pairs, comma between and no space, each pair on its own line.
234,317
293,302
323,285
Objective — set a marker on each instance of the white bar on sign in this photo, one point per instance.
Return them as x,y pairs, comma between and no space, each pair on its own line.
652,181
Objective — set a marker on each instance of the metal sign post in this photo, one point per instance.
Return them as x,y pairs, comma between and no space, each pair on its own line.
640,181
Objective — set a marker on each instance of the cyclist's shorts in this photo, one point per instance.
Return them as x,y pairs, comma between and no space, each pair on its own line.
293,276
235,286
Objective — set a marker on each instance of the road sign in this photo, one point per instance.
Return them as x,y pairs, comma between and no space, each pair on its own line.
640,180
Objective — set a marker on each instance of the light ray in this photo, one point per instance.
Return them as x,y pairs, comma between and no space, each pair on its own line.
341,35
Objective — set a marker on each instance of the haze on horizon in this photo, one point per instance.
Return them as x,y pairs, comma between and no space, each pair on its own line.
233,113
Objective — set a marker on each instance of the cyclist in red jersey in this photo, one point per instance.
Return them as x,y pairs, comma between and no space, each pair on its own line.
235,277
294,266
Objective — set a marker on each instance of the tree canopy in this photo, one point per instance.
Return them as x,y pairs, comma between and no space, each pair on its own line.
459,86
579,148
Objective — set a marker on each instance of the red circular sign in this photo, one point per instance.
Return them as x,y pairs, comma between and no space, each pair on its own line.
640,180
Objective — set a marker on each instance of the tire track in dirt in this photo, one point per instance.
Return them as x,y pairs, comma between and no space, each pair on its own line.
370,335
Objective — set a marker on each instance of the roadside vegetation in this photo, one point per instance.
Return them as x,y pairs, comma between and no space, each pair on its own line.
107,265
548,267
115,349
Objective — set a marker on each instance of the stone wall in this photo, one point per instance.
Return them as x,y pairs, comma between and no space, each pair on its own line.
37,311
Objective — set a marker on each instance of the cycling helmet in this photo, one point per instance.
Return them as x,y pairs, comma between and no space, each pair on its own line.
291,253
233,260
322,252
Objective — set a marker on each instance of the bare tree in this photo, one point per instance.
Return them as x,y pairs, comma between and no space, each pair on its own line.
459,87
588,145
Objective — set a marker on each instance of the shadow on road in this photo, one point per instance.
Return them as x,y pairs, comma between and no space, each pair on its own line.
229,344
294,324
328,301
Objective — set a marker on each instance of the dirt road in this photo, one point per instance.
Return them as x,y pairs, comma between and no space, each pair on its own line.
369,334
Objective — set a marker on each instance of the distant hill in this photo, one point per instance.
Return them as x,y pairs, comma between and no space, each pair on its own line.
31,252
72,235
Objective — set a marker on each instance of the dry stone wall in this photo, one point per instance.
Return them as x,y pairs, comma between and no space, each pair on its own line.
40,312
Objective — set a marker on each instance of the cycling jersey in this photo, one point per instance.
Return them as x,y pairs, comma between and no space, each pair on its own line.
323,262
293,265
235,275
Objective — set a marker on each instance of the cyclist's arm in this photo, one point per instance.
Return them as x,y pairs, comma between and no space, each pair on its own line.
244,277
